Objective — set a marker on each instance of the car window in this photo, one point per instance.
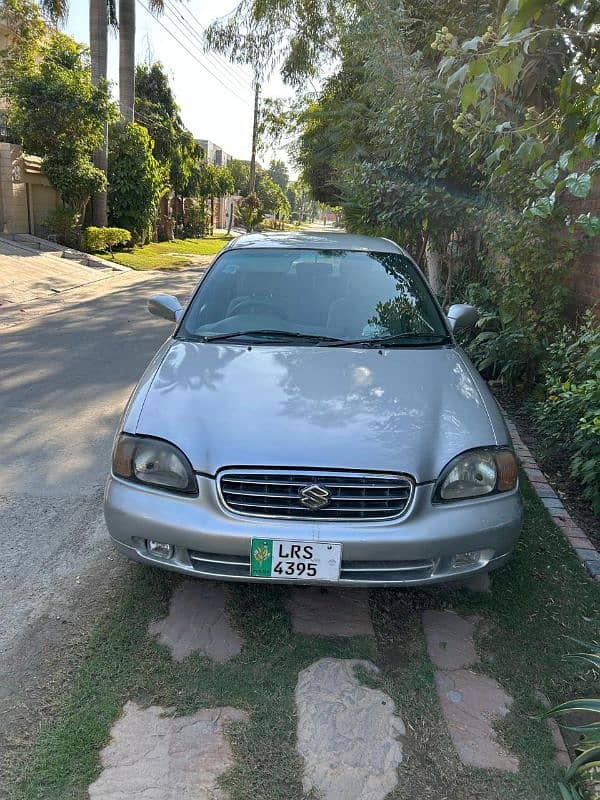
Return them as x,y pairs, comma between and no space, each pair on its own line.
340,294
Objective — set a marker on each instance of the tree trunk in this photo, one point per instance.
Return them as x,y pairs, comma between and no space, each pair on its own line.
434,269
231,213
127,59
98,56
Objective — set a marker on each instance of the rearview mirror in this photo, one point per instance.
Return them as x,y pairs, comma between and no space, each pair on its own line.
165,306
462,315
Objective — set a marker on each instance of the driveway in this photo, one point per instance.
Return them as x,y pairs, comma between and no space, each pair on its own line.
65,379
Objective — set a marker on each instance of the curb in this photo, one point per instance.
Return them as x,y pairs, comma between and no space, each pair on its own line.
584,549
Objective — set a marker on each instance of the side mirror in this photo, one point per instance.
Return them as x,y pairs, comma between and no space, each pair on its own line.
165,306
462,315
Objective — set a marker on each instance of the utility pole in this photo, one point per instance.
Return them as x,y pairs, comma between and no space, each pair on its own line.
254,136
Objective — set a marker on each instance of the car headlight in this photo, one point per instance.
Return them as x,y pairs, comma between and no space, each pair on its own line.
477,473
153,462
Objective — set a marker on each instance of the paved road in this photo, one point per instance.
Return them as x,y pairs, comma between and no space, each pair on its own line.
64,380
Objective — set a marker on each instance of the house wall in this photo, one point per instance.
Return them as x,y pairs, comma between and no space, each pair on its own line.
26,197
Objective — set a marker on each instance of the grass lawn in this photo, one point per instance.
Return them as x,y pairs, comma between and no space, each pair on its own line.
169,255
542,596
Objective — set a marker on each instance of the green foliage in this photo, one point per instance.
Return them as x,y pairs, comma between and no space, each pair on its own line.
98,240
65,225
251,211
272,196
26,26
174,146
527,98
74,176
279,174
136,180
240,171
57,113
569,416
210,181
196,219
582,779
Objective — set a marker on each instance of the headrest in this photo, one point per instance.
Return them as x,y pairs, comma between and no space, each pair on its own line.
313,269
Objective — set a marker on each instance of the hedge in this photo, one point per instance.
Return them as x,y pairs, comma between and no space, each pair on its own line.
98,240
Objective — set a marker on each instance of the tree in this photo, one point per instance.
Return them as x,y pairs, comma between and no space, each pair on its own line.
136,180
175,148
27,30
57,10
102,13
251,212
279,173
57,113
208,181
240,171
127,70
526,96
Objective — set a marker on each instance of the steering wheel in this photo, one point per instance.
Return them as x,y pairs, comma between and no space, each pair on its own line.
247,303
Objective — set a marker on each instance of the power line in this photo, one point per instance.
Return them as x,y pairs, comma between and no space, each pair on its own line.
189,52
183,28
234,69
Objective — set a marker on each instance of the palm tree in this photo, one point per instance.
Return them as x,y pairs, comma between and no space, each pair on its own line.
127,54
57,10
101,13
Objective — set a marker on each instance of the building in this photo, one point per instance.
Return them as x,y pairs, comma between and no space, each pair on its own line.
222,206
26,197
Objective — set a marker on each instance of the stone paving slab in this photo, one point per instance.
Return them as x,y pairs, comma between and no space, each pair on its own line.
332,612
158,757
450,639
347,733
197,623
470,702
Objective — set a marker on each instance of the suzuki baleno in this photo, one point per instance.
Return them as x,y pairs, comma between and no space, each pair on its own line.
312,419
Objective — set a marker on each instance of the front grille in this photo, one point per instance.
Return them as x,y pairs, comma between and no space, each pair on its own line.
352,496
228,566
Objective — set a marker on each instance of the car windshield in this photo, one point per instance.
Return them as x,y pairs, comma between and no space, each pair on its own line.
314,297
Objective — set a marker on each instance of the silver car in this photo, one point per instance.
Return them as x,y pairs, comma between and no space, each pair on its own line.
312,419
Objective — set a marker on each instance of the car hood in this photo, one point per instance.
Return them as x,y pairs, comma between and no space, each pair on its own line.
403,410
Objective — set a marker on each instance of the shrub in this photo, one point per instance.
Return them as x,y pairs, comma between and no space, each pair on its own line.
251,211
136,180
582,779
64,224
522,293
196,220
98,240
569,415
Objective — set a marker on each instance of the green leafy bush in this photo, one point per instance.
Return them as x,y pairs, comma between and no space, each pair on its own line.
136,180
251,211
98,240
196,220
569,416
582,779
64,224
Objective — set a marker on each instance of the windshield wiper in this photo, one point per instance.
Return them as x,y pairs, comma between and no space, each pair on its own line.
276,334
425,339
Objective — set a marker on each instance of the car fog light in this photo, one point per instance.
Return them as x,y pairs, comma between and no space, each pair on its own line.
471,558
159,548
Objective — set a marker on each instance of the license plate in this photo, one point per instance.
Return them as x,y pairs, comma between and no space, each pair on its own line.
275,558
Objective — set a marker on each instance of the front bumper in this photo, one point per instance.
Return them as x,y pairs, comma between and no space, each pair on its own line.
211,542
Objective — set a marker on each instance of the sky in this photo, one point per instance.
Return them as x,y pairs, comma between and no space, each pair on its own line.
215,106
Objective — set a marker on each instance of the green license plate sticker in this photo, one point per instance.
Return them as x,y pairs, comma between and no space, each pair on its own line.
261,558
290,560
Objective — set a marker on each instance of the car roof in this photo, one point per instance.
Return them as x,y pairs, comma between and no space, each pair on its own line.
315,240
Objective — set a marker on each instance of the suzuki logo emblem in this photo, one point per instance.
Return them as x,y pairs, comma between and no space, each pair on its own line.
314,497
